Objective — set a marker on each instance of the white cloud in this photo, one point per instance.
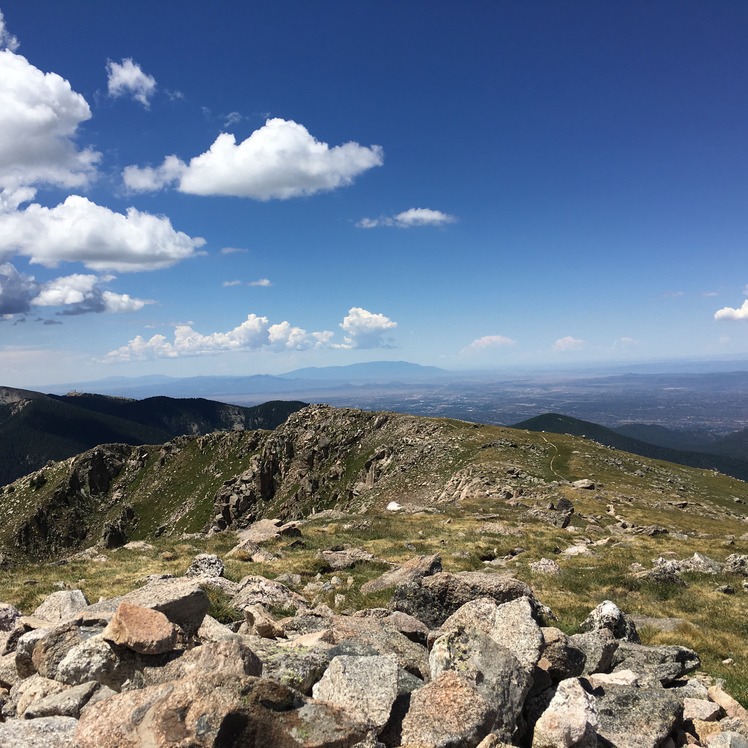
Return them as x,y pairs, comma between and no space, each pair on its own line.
230,284
128,78
732,314
81,231
626,341
262,282
279,160
149,179
487,342
233,250
365,329
16,290
39,116
254,333
411,218
7,40
83,294
568,344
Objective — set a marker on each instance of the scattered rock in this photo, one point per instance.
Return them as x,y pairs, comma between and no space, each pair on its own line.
205,565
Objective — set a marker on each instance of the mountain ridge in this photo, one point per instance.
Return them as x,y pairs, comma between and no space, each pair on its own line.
36,428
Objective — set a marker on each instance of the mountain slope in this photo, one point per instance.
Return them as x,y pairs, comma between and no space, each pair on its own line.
560,424
343,459
36,428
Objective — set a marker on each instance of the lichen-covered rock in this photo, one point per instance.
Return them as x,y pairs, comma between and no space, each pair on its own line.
609,616
490,668
636,717
205,565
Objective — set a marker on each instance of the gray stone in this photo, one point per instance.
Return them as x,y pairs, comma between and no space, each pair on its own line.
598,647
8,617
364,687
570,719
181,600
636,717
433,599
511,625
608,615
29,690
61,606
490,668
345,559
661,665
275,597
205,565
411,571
46,732
67,703
90,660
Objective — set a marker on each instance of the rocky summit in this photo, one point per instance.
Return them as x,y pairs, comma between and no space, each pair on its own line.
372,580
456,659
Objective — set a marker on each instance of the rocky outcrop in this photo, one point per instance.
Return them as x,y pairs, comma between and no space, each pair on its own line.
150,669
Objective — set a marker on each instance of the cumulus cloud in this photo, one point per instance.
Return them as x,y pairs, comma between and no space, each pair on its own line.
487,342
149,179
568,343
39,117
127,78
233,250
7,40
411,218
83,294
280,160
16,290
365,329
81,231
730,313
255,333
230,284
261,282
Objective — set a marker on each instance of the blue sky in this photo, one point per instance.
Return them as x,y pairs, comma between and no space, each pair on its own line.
240,188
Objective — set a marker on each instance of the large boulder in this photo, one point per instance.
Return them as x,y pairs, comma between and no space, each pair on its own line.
446,713
61,606
365,688
510,624
609,616
411,571
140,629
659,665
432,599
490,668
570,719
215,710
636,717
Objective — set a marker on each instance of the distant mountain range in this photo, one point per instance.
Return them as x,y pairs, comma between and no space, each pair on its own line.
36,428
725,462
299,382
